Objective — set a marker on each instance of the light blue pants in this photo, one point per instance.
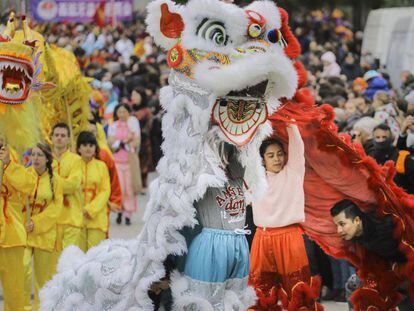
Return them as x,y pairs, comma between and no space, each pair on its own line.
216,256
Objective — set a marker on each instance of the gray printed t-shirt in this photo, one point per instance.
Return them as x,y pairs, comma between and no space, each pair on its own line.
224,208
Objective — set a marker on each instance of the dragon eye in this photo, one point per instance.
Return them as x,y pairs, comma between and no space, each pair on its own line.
255,30
213,31
276,36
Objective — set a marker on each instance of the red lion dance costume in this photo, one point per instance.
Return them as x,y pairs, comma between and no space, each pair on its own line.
337,169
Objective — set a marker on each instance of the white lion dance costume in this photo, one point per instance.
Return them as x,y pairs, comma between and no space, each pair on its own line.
229,70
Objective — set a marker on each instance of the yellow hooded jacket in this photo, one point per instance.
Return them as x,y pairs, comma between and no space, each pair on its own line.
17,183
45,211
96,189
70,171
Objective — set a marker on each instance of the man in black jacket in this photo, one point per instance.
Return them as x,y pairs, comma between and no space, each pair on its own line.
373,233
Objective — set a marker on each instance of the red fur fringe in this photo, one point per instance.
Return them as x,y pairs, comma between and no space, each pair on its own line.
303,297
302,74
292,49
367,298
391,200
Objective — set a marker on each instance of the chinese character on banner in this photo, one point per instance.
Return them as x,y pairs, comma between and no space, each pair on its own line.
63,9
82,9
118,8
73,9
91,8
127,10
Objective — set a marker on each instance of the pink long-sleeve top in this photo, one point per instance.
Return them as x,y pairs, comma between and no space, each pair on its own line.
284,201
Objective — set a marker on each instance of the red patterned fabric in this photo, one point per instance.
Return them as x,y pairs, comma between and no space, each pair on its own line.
279,270
337,169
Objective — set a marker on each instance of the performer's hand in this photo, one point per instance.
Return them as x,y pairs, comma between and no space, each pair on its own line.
86,215
158,287
409,121
356,137
5,155
29,226
114,207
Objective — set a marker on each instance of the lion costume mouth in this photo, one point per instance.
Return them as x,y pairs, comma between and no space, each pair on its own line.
15,79
239,114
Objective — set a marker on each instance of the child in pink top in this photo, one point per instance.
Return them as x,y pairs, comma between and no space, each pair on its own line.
124,136
278,256
284,202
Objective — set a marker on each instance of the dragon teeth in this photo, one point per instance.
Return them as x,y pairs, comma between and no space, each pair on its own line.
15,66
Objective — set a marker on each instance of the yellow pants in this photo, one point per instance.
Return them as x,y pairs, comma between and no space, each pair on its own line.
91,238
44,265
68,235
12,277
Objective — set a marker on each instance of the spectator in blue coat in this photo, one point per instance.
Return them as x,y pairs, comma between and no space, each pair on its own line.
375,83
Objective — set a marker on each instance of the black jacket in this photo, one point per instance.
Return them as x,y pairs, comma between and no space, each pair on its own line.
377,237
405,179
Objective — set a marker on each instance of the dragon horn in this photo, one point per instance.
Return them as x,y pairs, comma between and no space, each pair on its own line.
10,28
25,27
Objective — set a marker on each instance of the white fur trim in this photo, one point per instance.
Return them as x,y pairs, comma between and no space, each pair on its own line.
71,257
269,11
249,71
184,296
234,20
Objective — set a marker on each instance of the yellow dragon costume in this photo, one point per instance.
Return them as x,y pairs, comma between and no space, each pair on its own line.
40,85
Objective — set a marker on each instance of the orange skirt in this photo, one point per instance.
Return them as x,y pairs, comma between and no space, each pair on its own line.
279,270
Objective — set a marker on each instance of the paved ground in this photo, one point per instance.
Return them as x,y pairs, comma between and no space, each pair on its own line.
126,232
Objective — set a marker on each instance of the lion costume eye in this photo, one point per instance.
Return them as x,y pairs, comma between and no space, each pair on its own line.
213,31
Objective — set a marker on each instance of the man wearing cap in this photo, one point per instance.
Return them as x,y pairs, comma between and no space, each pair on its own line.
375,83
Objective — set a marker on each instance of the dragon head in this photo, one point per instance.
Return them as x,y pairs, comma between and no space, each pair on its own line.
241,56
17,66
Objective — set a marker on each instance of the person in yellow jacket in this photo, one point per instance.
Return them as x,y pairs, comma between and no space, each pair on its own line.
96,190
67,165
16,184
45,205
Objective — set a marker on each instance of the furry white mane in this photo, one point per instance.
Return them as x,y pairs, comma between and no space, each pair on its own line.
117,274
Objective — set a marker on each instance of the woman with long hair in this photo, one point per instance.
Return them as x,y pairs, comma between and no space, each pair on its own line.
45,205
96,189
124,136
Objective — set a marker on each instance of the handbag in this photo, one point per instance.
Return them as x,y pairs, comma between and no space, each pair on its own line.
135,170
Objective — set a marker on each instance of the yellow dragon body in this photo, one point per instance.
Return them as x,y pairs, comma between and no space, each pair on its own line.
40,85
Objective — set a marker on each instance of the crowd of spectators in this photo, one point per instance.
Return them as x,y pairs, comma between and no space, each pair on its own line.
127,68
367,107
